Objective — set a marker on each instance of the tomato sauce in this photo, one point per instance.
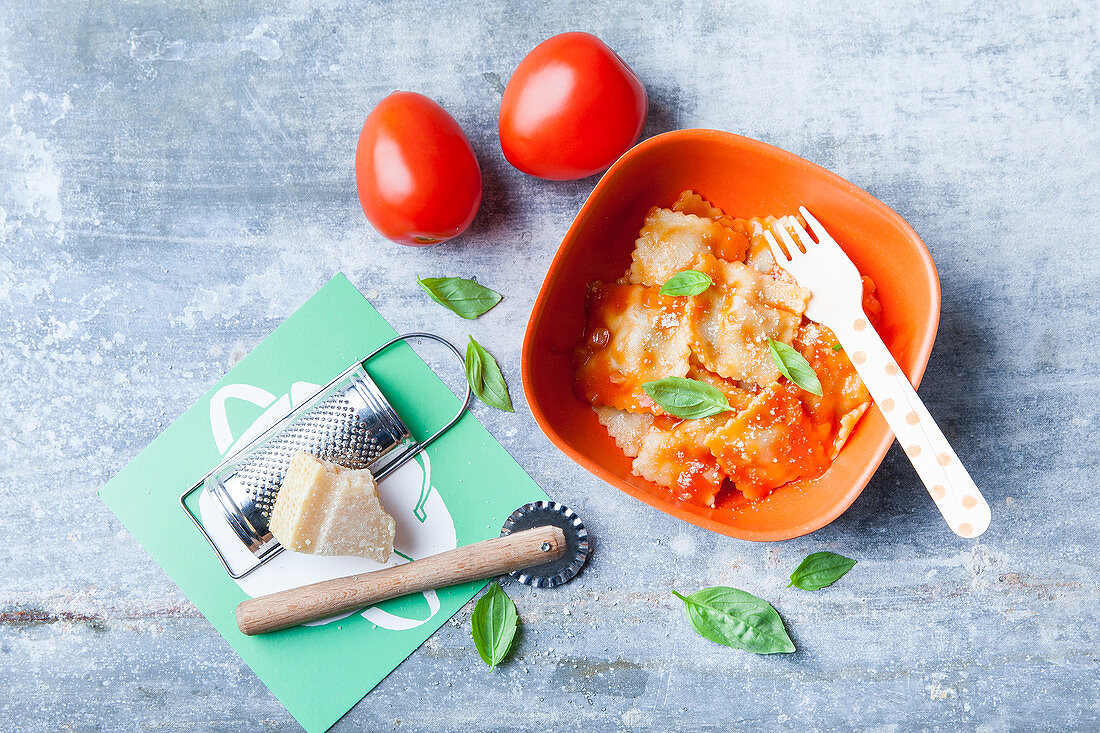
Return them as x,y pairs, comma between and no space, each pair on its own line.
773,433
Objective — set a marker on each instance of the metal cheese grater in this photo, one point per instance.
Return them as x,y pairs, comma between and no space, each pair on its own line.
347,421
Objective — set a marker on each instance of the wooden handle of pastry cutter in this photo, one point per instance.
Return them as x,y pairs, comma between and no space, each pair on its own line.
329,597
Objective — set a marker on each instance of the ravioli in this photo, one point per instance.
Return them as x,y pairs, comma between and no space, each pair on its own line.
844,397
672,241
774,432
732,321
739,394
734,242
690,202
675,455
752,248
633,335
627,428
772,442
669,242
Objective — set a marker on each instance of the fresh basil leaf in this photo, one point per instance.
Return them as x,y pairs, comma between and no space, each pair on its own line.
467,298
836,347
493,624
737,619
687,282
819,570
483,374
687,398
794,366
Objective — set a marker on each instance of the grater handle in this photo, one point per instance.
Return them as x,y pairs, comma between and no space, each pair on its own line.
478,561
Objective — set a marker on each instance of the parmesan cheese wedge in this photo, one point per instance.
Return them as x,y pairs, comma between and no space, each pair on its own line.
326,509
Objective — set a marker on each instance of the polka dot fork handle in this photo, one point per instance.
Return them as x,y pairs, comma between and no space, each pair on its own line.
822,268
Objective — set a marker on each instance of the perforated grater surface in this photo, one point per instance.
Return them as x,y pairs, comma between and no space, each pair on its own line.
348,421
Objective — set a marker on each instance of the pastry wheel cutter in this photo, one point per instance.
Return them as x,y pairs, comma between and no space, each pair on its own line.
542,544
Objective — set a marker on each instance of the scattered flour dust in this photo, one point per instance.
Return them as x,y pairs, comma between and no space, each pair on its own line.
238,352
30,188
683,545
106,413
937,691
299,261
33,181
259,43
149,48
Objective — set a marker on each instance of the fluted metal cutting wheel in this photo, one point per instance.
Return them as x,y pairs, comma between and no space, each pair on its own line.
565,568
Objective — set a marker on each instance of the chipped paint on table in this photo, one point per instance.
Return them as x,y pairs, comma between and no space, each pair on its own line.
177,181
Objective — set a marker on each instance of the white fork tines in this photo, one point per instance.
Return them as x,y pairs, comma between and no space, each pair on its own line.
820,266
817,265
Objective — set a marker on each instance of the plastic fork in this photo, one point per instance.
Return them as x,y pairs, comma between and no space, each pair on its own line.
821,267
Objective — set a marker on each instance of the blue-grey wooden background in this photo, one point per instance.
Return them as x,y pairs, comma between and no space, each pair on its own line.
176,178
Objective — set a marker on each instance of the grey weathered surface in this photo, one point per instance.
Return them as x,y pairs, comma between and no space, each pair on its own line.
176,181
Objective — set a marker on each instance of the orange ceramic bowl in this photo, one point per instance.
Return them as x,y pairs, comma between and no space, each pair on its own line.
745,178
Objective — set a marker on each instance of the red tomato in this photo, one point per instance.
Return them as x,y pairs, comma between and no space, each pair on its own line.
418,180
571,108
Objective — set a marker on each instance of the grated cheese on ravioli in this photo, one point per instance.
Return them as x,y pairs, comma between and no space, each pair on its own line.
844,397
775,432
732,321
772,442
627,428
672,241
674,455
633,335
668,243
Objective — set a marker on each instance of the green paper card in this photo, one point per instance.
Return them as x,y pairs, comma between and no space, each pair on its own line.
459,491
